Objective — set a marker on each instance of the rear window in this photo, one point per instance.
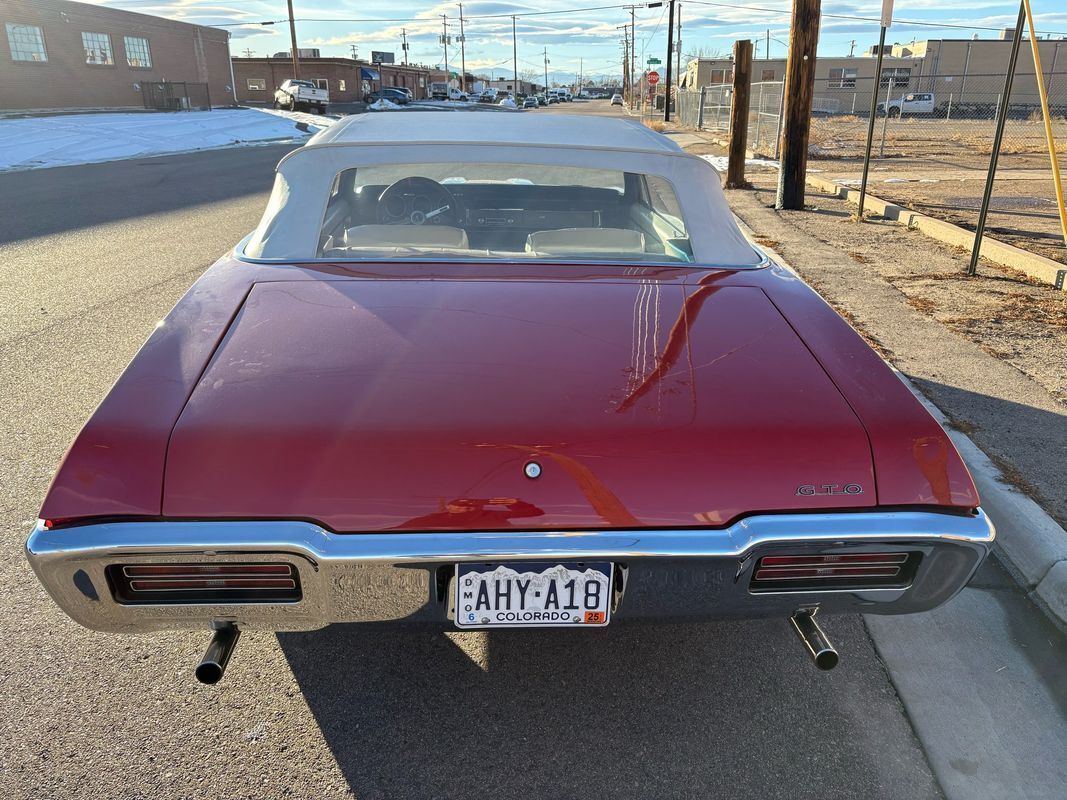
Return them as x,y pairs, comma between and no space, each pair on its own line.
511,211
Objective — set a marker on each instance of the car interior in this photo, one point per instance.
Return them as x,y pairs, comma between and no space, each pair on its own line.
487,212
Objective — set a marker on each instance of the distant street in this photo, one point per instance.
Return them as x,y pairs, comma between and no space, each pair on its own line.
91,258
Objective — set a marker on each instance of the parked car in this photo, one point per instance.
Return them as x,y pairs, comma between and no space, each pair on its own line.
487,96
298,95
553,98
397,96
911,103
530,102
317,434
616,99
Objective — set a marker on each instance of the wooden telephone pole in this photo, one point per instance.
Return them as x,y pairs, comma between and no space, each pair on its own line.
735,169
799,91
292,35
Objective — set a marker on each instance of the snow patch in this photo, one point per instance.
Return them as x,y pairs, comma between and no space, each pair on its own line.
722,162
39,142
382,104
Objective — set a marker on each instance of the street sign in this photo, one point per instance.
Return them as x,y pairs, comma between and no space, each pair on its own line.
654,61
887,13
653,78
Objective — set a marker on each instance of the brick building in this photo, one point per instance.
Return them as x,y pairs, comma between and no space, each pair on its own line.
346,79
56,54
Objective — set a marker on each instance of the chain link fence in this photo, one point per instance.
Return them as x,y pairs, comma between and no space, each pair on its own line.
952,117
933,137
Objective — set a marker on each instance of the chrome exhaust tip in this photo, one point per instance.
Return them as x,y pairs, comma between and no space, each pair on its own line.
815,641
213,665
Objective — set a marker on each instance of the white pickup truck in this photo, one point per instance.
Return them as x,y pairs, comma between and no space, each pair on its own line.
297,95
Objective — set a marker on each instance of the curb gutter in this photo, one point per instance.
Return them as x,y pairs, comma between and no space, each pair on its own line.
1030,543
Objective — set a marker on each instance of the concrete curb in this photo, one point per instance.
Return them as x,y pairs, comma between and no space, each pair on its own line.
1033,546
1044,269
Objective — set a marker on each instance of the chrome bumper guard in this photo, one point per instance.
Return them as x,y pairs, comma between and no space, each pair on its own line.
378,577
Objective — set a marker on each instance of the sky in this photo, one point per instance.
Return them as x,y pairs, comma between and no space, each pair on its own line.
583,35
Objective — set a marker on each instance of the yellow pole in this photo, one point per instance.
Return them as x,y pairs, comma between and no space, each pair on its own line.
1040,75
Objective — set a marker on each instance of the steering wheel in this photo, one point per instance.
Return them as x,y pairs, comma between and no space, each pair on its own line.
417,201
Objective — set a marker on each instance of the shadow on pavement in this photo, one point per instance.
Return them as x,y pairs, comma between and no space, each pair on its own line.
69,198
624,712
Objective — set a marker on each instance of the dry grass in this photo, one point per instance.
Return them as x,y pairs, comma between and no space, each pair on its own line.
765,242
922,304
657,125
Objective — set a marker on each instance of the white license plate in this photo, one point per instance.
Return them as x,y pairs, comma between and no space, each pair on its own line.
533,594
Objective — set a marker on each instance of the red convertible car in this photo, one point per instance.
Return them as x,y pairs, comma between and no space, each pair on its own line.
525,372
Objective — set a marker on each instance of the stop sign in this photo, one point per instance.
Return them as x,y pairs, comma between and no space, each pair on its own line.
653,78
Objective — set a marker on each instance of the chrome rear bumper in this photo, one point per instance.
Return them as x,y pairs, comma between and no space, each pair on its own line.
376,577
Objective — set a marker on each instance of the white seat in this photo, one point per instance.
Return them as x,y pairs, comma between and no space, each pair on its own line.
576,241
406,236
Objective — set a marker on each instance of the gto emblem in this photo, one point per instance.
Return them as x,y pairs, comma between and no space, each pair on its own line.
532,470
811,490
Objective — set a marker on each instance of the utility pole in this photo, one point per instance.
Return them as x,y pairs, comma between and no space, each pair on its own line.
735,166
798,90
678,44
444,44
547,62
767,53
292,35
404,46
627,81
514,53
633,56
851,48
355,52
670,51
248,52
462,53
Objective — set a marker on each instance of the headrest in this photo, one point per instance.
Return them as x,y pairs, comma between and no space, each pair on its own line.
575,241
406,236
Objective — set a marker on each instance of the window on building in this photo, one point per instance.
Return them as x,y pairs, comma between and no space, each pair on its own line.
26,42
341,85
320,83
901,77
97,48
842,78
768,75
257,84
138,54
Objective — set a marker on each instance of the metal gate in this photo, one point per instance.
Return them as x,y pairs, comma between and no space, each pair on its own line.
166,96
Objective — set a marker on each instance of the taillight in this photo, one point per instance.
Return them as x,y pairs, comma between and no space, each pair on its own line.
834,571
134,584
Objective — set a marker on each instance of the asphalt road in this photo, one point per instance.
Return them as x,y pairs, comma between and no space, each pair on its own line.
90,258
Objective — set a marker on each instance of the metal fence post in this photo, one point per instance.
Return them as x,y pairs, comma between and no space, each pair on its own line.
778,127
700,111
885,122
948,113
759,112
998,137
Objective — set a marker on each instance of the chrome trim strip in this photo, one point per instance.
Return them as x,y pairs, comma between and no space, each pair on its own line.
396,576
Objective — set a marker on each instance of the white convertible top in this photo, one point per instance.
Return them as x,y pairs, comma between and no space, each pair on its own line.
291,225
495,127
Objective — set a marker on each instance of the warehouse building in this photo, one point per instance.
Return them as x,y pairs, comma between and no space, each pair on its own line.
60,55
969,71
346,79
